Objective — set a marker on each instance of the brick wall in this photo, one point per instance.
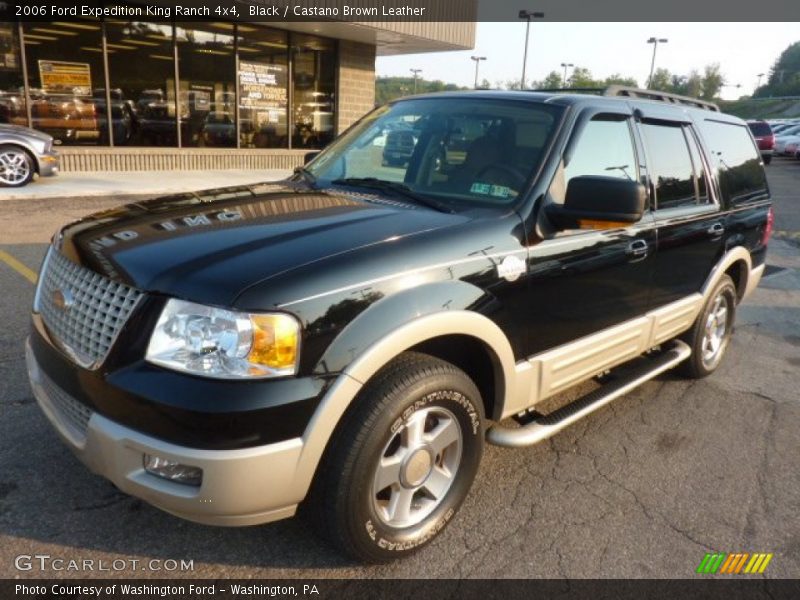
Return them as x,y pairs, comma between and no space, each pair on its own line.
356,86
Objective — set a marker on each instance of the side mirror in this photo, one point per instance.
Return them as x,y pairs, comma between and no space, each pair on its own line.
309,156
597,202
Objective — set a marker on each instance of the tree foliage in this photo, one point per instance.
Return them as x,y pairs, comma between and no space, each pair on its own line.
389,88
784,77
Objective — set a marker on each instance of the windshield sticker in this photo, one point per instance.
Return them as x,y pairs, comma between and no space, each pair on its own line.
487,189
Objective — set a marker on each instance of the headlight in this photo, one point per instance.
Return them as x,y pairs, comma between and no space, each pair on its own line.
220,343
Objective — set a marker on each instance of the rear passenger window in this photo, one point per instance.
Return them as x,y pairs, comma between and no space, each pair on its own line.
738,164
604,148
671,166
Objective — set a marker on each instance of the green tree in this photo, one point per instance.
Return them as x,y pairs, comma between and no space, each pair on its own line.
582,78
662,80
784,77
617,79
553,80
712,82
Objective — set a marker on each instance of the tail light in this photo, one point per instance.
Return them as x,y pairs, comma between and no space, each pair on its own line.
768,228
770,142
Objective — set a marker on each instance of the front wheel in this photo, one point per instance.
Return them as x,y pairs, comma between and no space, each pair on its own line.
16,166
711,332
402,461
767,160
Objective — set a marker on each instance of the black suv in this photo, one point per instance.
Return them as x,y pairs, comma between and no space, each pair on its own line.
348,339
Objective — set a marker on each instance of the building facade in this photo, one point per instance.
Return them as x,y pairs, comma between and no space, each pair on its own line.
198,95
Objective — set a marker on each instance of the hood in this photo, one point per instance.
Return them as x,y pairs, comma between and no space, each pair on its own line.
209,246
24,131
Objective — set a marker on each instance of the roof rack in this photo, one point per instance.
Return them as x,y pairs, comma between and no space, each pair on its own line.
631,92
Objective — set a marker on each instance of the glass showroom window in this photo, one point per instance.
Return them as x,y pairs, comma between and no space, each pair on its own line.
314,80
263,87
141,69
12,94
207,97
65,73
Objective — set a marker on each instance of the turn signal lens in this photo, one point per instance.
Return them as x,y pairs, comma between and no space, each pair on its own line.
275,341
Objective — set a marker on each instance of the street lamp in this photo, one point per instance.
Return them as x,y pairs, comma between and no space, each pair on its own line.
527,15
477,60
415,72
655,41
760,75
565,65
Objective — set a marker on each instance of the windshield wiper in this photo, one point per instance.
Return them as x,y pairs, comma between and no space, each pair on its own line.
400,189
307,176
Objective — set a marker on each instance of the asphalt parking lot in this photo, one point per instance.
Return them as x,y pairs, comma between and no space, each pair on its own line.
642,488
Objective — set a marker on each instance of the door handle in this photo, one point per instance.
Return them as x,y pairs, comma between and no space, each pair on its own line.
716,230
637,249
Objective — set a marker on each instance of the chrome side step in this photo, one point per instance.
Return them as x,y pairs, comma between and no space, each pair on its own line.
545,426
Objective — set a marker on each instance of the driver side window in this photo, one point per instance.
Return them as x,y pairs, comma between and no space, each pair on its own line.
604,148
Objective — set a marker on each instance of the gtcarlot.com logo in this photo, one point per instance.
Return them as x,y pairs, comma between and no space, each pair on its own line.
46,562
740,563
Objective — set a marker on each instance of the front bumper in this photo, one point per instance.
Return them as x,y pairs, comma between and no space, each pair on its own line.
244,486
49,164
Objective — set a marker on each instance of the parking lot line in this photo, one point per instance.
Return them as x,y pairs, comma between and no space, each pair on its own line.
18,267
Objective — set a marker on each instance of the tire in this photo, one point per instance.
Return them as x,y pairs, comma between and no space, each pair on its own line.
767,160
711,332
423,417
16,166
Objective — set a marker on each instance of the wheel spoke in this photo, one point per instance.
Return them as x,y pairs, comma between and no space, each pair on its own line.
445,434
388,472
414,430
721,315
438,483
400,504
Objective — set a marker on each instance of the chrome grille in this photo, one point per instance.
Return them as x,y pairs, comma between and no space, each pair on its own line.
73,414
82,310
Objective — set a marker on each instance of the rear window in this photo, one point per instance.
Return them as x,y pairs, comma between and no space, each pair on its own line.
737,160
760,129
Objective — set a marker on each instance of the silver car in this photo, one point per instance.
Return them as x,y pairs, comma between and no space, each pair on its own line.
24,152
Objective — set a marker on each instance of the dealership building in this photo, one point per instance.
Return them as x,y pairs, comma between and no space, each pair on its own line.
202,95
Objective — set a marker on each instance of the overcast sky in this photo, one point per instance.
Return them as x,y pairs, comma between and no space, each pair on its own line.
743,50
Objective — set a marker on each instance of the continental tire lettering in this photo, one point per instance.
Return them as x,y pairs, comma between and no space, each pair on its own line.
450,395
411,544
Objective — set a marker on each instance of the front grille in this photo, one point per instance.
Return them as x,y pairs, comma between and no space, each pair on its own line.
73,414
82,310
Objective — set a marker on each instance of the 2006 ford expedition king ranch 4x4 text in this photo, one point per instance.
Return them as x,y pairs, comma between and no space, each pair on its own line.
348,339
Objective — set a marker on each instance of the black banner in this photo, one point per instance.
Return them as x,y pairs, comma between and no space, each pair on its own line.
388,11
484,589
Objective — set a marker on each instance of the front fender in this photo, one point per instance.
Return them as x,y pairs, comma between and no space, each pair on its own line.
390,314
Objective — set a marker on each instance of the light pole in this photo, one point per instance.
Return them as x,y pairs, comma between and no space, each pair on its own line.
565,65
415,72
760,75
655,41
527,15
477,60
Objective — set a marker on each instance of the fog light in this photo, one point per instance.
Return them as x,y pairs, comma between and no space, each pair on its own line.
172,470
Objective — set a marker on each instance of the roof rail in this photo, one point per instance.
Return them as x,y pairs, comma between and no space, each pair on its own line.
631,92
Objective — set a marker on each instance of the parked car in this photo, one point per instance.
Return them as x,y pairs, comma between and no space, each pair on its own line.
25,152
787,136
765,139
793,149
349,343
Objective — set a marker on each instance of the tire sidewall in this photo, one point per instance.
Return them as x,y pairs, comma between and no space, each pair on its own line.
727,287
459,396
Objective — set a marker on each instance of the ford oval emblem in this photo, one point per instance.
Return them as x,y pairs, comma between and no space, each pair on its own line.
63,299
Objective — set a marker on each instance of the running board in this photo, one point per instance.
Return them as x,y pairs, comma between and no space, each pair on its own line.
545,426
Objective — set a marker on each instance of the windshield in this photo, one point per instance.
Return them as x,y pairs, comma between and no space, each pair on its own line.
461,151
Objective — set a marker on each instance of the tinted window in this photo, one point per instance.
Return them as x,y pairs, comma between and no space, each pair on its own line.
604,148
470,151
699,169
760,128
671,168
738,164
